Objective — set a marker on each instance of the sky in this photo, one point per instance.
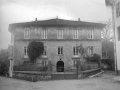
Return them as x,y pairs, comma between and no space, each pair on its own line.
13,11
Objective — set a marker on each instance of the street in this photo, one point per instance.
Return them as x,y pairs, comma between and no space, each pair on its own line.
103,82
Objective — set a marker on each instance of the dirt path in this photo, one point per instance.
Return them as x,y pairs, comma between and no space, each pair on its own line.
104,82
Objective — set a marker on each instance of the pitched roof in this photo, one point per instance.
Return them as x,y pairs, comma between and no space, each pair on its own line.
56,22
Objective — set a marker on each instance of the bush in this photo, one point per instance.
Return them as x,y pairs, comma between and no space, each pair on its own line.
109,63
89,66
95,58
42,68
3,69
35,50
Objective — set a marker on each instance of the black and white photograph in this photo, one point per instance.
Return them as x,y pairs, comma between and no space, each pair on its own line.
59,44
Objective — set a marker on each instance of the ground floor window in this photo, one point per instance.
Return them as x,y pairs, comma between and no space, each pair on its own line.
60,50
74,63
25,52
90,50
45,51
44,62
75,51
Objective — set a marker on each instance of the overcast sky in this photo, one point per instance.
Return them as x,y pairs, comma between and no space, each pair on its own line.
13,11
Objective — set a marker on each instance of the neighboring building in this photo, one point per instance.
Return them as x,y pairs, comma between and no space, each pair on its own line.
117,32
60,38
0,40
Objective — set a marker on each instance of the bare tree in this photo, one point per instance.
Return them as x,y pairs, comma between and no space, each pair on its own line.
107,32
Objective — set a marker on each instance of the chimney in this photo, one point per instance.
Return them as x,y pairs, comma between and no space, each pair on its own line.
35,19
78,19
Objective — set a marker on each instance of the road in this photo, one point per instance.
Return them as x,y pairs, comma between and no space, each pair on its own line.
103,82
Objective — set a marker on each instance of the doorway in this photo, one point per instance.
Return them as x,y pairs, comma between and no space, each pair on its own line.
60,66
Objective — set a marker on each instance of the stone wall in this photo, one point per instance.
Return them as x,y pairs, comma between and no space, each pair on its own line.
31,76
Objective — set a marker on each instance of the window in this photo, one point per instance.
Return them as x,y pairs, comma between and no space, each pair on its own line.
90,50
44,34
118,29
75,34
25,52
90,34
74,63
45,51
75,51
118,9
44,62
60,50
60,34
27,34
104,54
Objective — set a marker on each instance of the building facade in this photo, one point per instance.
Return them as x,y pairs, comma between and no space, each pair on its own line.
60,38
117,33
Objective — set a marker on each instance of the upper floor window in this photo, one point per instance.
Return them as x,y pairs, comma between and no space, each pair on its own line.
25,52
26,34
90,34
60,34
118,9
90,50
60,50
118,29
75,51
44,34
75,34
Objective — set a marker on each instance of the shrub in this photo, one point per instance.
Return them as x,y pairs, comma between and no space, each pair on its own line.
35,49
3,69
95,58
42,68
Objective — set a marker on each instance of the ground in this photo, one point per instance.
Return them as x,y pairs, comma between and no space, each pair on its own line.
103,82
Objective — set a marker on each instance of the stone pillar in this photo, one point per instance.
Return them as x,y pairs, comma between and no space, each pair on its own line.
11,68
49,66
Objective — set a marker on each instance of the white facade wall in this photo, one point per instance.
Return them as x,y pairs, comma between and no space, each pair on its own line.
117,24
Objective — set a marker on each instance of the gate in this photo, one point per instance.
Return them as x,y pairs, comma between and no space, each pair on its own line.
63,73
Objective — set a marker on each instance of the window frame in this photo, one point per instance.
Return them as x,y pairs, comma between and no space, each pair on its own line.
74,63
44,34
25,52
90,50
60,50
75,34
75,51
44,62
90,34
60,34
45,51
26,34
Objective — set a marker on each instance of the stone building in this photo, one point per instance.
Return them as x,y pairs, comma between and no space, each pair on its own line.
60,38
117,32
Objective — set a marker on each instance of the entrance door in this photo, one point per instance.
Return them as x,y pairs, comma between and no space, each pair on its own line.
60,66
